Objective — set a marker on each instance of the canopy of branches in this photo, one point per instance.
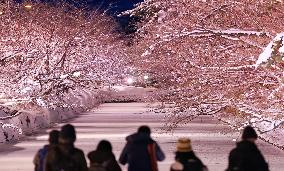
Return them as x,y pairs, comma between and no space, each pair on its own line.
205,52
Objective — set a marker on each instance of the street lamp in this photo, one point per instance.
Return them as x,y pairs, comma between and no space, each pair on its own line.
28,6
146,77
130,81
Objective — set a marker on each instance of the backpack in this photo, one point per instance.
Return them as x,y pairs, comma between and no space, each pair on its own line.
65,162
152,153
42,154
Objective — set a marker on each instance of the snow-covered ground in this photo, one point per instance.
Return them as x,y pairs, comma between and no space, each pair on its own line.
15,122
212,140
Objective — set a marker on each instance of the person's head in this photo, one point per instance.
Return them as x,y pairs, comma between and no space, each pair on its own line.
53,137
249,134
105,146
184,145
67,134
184,148
144,129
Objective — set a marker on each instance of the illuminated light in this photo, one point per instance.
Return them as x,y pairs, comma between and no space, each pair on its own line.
76,74
28,6
1,12
130,81
146,77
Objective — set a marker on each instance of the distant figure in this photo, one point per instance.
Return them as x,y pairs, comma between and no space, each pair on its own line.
102,159
65,157
41,154
141,152
185,158
246,156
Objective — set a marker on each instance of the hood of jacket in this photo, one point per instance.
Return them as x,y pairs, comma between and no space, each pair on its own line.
139,138
100,156
247,146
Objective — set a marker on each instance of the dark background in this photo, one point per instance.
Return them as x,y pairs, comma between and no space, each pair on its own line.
111,7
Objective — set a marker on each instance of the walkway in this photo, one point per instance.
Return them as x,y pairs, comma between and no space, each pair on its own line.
212,141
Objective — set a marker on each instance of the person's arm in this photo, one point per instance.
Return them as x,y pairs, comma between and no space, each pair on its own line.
83,162
261,162
159,153
113,165
47,162
124,155
204,168
231,160
36,161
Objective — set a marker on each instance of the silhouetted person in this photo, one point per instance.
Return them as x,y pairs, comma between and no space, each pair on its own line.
246,156
65,157
185,158
103,158
41,154
141,152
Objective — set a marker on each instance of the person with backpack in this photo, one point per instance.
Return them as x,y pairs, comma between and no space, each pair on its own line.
65,156
141,152
246,156
185,159
102,159
41,154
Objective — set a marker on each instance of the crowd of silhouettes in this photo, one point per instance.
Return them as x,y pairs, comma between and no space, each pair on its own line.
141,153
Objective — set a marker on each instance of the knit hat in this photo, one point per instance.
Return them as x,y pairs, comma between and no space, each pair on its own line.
68,133
144,129
249,132
184,145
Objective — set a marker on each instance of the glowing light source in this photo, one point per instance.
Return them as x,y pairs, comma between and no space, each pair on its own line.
130,80
28,6
77,74
146,77
1,12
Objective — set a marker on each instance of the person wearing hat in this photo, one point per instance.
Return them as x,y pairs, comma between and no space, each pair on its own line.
246,156
186,160
65,156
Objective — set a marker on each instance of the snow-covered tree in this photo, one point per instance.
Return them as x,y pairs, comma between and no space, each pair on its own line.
47,49
204,54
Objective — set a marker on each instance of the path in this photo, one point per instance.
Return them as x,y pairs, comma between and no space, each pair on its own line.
212,141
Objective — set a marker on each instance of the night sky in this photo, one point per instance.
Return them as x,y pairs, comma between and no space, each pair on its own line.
113,7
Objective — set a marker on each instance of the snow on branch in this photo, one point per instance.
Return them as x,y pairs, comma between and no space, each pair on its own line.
272,51
170,36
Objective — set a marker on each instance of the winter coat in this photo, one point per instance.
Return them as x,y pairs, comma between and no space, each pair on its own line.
65,158
40,157
188,161
246,157
136,152
103,159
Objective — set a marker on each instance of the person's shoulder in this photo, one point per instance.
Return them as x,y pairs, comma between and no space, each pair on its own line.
78,150
235,152
44,148
92,153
